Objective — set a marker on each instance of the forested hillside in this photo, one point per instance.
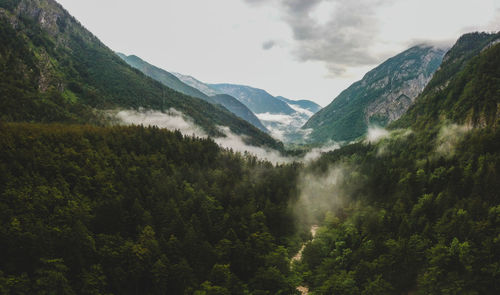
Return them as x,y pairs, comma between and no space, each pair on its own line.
420,210
465,90
134,210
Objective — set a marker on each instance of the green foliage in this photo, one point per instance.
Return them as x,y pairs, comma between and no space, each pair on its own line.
418,223
129,210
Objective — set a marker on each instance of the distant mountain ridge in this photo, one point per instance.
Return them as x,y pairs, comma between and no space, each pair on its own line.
170,80
193,82
257,100
281,116
162,76
302,103
382,96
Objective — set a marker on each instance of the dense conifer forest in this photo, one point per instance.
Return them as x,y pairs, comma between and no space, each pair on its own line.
135,210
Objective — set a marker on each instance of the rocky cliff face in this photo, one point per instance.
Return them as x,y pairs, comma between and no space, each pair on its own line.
391,105
382,96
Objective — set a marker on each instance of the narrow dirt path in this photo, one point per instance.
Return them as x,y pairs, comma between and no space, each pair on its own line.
303,289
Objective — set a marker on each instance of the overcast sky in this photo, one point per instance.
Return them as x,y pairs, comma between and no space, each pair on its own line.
300,49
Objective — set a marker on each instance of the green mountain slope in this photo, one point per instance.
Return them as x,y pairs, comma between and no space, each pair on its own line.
162,76
193,82
53,69
382,96
169,80
239,109
465,89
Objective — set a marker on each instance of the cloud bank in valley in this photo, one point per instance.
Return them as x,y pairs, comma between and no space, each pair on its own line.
287,128
172,120
175,120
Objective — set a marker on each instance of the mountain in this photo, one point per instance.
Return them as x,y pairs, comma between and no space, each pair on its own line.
213,89
162,76
382,96
257,100
53,70
239,109
193,82
303,103
170,80
465,89
281,116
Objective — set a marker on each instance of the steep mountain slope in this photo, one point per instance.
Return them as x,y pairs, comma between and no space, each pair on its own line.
466,88
53,69
170,80
239,109
193,82
302,103
382,96
257,100
162,76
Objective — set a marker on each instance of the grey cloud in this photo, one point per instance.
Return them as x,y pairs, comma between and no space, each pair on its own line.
444,44
300,6
254,2
343,41
268,44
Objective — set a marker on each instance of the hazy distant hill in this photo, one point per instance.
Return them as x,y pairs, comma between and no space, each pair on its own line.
193,82
302,103
257,100
281,116
162,76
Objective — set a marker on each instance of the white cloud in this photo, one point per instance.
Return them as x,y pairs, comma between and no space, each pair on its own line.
316,153
448,138
172,120
175,120
376,133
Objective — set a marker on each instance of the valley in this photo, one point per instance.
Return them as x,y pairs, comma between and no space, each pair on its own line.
120,177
